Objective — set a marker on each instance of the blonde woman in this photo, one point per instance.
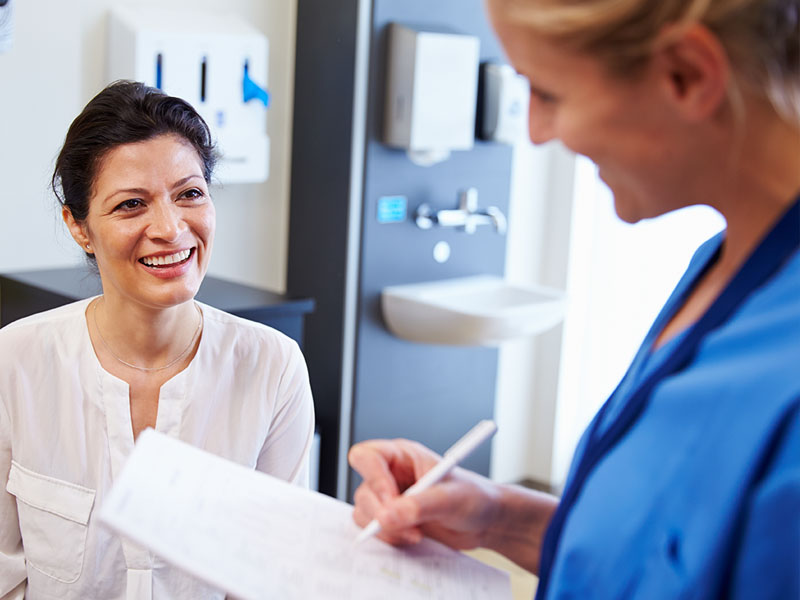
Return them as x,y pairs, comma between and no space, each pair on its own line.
687,482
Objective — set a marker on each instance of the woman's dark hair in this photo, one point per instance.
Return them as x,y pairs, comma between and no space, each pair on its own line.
125,112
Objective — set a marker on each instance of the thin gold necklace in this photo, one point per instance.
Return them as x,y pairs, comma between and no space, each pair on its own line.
148,369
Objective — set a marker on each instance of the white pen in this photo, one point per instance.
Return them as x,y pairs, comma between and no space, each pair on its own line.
457,452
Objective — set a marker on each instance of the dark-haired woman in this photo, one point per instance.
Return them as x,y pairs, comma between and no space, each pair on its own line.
79,383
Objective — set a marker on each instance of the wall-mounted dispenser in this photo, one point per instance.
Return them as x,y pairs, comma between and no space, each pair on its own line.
505,99
432,86
216,62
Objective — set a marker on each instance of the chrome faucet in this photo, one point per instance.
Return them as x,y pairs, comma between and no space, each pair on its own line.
467,216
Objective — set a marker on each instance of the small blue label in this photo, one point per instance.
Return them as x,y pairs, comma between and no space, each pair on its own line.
392,209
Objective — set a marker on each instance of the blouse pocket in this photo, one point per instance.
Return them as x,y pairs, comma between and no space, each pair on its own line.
53,518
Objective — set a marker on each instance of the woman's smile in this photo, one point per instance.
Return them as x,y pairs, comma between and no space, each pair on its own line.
169,265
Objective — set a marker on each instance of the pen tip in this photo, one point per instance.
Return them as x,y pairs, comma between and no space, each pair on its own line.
371,529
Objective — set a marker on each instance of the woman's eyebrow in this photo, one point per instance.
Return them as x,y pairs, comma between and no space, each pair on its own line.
137,191
181,182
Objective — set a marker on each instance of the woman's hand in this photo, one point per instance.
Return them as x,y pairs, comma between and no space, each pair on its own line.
463,511
456,511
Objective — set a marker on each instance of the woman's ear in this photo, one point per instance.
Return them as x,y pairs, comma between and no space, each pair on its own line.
77,230
695,70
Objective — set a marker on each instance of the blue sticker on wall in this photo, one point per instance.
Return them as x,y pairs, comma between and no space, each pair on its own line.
392,209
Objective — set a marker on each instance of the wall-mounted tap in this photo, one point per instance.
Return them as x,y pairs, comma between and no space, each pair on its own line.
467,215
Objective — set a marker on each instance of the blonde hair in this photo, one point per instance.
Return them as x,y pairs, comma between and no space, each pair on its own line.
761,37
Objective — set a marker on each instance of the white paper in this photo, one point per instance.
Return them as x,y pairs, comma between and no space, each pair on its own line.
257,537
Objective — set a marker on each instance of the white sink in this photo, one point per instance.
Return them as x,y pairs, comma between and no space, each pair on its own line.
481,310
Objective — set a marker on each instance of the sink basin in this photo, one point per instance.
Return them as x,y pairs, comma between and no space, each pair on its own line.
470,311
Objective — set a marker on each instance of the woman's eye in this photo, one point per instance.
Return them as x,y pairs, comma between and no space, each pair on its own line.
192,193
542,96
131,204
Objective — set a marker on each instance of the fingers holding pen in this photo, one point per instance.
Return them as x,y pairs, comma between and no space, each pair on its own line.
451,511
455,510
369,506
388,467
377,477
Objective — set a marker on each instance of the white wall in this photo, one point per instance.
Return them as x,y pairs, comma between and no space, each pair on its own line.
56,65
537,253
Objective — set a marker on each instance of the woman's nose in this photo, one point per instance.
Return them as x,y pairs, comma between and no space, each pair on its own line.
166,222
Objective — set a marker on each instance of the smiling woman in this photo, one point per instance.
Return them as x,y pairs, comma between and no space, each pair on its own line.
79,383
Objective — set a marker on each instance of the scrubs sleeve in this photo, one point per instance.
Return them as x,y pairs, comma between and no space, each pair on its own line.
768,565
12,558
285,453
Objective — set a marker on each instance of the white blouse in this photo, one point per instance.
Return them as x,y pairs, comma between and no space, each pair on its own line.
65,432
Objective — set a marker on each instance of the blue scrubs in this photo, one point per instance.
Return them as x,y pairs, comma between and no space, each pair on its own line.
700,496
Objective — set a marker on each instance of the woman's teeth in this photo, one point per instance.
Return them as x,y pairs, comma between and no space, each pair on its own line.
159,261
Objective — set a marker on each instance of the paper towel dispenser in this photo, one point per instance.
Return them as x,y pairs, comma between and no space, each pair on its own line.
505,96
215,61
431,94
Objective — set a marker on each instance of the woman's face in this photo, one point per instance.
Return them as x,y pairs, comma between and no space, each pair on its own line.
151,222
624,126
